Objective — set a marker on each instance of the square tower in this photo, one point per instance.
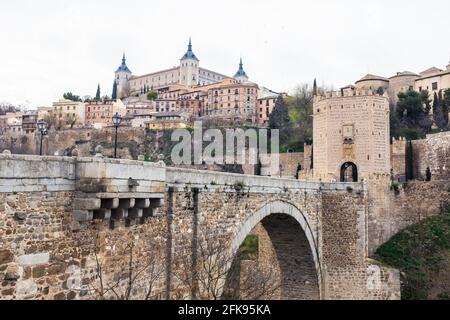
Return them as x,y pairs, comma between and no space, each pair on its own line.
351,135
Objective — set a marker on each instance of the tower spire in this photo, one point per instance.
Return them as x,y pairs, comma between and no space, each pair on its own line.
241,76
123,67
189,54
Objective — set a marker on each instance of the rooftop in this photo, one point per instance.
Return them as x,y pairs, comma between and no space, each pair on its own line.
369,77
432,70
405,74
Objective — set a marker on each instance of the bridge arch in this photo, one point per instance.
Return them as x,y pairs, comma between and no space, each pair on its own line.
286,215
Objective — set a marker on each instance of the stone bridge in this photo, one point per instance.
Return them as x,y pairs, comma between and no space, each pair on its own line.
60,216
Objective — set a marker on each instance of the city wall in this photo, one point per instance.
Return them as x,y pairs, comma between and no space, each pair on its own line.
391,210
432,152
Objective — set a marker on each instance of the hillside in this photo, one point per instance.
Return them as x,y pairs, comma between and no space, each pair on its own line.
422,254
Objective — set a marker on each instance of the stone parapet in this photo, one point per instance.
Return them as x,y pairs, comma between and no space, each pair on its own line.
103,188
199,179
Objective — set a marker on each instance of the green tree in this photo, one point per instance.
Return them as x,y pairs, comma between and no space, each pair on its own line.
446,106
152,95
300,106
410,105
279,119
280,115
410,118
438,116
97,95
425,97
114,91
70,96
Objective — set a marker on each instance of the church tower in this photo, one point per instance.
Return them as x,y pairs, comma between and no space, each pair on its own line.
122,75
189,68
241,76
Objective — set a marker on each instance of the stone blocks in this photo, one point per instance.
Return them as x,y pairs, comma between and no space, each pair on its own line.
34,259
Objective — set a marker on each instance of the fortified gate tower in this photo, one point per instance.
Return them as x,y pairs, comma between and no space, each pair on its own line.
351,135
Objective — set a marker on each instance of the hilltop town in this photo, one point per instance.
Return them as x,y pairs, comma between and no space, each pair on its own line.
174,98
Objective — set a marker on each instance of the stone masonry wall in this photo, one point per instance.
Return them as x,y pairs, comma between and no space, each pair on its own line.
345,245
392,211
49,252
398,157
433,152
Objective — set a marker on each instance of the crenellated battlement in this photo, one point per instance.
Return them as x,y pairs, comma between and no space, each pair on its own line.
348,92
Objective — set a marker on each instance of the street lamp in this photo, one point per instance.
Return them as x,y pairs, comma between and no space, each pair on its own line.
43,128
117,119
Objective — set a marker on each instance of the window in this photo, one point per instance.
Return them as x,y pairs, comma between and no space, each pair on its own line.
434,85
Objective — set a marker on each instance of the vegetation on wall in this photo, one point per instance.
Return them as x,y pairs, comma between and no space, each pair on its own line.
420,253
416,112
292,115
249,248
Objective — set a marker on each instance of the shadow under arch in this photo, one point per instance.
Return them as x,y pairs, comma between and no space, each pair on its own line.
277,209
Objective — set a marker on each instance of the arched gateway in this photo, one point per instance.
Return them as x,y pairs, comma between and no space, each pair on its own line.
288,243
349,172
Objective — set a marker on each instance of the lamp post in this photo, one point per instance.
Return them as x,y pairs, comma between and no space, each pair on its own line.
43,128
117,119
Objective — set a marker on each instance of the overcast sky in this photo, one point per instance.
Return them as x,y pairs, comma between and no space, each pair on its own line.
49,47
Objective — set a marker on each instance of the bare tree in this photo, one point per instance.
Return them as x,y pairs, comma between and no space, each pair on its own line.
258,282
134,280
205,273
73,120
52,121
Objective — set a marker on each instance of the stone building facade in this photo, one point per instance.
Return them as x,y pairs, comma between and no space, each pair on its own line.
434,80
232,99
196,90
188,73
99,113
266,102
69,114
351,135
